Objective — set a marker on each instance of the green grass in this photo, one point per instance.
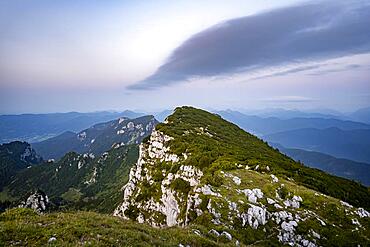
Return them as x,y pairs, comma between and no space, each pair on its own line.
338,229
72,195
25,227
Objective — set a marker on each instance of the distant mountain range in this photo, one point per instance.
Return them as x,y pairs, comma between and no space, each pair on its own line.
98,138
328,132
265,126
287,114
38,127
362,115
336,137
340,167
348,144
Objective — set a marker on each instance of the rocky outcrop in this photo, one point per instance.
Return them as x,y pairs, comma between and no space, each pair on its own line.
255,216
29,155
253,195
38,201
362,213
166,204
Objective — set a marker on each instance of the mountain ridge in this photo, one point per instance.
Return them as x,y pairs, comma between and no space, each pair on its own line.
270,125
347,144
38,127
340,167
97,138
197,168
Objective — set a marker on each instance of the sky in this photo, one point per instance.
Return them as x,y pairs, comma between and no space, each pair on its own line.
89,55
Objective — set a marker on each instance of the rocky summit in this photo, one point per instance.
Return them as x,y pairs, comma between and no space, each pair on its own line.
197,170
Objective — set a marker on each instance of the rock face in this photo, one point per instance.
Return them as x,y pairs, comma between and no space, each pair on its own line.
30,156
38,201
165,208
170,186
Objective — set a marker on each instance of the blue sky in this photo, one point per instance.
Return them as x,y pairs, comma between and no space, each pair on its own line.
78,55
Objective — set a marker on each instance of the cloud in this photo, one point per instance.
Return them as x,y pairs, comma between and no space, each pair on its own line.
287,72
328,71
290,35
289,99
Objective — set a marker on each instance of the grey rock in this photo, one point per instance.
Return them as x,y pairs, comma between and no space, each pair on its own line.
214,232
38,201
227,235
52,239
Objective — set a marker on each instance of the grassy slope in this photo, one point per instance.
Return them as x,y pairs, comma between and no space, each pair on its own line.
226,145
338,219
26,228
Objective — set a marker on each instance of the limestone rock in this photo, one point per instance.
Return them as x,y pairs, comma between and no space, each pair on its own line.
214,232
206,190
38,201
274,178
253,195
255,216
271,201
362,213
294,202
227,235
52,239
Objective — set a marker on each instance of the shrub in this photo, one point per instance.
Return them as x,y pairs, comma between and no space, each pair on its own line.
181,185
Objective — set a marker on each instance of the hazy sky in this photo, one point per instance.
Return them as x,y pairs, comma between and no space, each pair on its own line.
86,55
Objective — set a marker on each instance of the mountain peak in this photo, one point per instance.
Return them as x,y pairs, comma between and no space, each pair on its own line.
197,168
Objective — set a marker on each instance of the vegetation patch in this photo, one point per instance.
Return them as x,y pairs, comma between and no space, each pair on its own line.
72,195
181,185
26,228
